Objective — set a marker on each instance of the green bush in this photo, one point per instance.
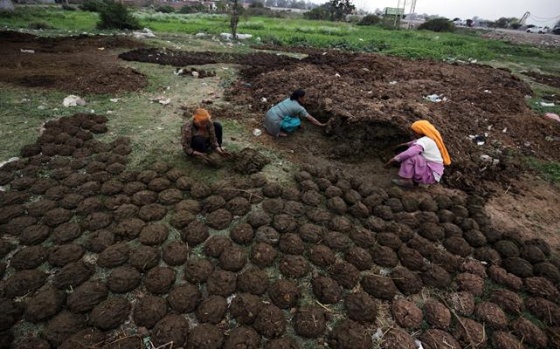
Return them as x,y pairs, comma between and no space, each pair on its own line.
92,5
370,20
438,25
66,7
165,9
114,15
192,9
38,25
318,13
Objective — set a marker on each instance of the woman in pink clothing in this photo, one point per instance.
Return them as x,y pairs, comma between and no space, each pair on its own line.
423,161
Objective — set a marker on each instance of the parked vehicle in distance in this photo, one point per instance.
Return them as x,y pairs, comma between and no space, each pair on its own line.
539,30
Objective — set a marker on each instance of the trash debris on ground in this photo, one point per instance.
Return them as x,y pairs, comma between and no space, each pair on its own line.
545,104
552,116
144,33
435,98
114,100
197,73
229,36
200,35
392,83
479,139
257,132
162,100
72,101
487,91
487,158
26,51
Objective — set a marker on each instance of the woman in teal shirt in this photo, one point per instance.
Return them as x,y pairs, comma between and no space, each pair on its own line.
283,118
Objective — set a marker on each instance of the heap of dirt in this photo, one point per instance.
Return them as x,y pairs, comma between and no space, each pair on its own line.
71,64
367,114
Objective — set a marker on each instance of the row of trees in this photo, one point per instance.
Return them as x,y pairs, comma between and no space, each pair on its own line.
333,10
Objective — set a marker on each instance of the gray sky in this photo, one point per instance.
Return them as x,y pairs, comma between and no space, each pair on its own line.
543,12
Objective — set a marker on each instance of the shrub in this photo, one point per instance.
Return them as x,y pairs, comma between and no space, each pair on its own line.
516,25
438,25
192,9
38,25
165,9
370,20
114,15
91,5
318,13
67,7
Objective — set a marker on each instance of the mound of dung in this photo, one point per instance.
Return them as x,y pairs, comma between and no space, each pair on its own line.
242,337
360,307
149,310
212,309
249,161
245,307
349,335
310,321
205,336
111,313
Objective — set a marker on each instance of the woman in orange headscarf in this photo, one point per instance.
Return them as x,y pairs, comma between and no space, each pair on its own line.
200,135
423,162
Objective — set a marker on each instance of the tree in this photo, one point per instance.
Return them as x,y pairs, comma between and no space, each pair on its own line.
6,5
501,23
469,22
234,20
340,8
320,13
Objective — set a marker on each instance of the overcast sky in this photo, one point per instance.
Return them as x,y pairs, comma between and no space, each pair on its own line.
542,11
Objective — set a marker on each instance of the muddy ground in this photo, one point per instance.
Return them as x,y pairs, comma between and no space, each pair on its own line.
95,254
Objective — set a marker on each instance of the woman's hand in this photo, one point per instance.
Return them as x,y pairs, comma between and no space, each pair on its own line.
224,153
391,162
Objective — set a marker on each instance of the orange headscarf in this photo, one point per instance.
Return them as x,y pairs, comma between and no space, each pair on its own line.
424,127
201,118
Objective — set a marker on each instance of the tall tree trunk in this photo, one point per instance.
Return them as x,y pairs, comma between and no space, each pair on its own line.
234,18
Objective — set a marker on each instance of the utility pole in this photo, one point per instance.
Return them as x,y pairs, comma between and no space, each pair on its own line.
412,10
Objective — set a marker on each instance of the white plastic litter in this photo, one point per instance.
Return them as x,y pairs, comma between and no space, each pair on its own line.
162,100
72,101
545,104
26,51
114,100
144,33
263,100
195,74
392,83
200,35
337,75
378,334
418,344
257,132
435,98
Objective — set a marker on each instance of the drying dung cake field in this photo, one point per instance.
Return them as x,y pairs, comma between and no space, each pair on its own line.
298,242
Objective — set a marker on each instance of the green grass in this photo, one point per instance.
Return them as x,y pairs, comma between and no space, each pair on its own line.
549,170
306,33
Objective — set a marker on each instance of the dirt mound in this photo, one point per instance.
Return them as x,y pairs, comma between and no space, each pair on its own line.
71,64
380,112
